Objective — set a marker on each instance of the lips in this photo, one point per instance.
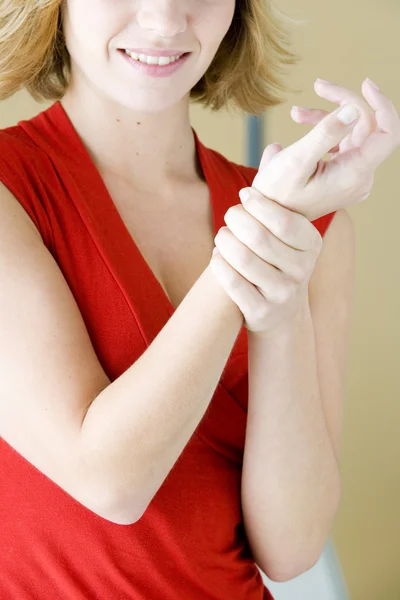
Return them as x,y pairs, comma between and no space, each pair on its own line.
136,55
150,52
156,70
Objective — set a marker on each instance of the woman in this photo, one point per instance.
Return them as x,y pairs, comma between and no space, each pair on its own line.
169,420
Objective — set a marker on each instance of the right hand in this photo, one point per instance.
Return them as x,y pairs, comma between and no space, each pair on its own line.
296,177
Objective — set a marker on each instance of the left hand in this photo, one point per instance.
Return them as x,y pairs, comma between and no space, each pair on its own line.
348,177
340,95
266,261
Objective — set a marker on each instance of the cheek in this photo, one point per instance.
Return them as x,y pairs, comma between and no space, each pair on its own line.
211,21
92,23
227,12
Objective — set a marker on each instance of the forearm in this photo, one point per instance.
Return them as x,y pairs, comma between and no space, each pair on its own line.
290,482
137,427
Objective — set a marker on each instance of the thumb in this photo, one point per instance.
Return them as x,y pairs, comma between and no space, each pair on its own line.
323,137
268,153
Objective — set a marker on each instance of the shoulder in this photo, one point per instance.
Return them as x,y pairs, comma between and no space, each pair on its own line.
14,138
23,168
18,150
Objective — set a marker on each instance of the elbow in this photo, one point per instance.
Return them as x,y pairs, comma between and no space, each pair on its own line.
115,513
115,510
122,506
112,504
288,561
287,571
109,492
292,564
282,576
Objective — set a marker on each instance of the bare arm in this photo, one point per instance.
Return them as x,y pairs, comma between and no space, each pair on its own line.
109,445
291,478
138,426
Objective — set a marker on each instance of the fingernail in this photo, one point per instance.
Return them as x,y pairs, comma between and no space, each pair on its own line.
348,114
324,81
244,194
373,84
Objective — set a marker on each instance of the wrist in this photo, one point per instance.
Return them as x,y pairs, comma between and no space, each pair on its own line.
300,319
217,297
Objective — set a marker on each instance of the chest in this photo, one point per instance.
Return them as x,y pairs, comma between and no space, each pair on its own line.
175,239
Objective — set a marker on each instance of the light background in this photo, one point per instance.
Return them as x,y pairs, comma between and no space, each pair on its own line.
344,43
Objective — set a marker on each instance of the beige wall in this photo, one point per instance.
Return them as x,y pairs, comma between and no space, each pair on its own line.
345,50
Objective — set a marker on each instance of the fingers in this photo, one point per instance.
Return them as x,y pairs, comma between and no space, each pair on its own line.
244,294
366,125
253,268
381,115
307,151
292,228
293,263
298,179
308,116
335,93
268,153
387,137
311,116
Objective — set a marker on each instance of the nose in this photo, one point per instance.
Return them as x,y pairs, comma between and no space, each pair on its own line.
165,17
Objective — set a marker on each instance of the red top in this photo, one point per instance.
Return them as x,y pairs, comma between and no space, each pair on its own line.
190,544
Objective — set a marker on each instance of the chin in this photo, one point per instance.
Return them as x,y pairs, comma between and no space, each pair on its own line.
149,101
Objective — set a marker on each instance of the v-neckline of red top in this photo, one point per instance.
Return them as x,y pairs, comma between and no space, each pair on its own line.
146,294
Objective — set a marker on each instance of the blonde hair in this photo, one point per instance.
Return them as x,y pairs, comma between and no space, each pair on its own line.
244,74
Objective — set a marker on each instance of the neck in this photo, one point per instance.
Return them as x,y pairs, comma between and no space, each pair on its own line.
151,151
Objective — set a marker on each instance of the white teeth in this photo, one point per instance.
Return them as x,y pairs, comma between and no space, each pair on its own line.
153,60
165,60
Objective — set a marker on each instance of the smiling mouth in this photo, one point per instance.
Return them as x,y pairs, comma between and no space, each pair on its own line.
160,66
152,60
